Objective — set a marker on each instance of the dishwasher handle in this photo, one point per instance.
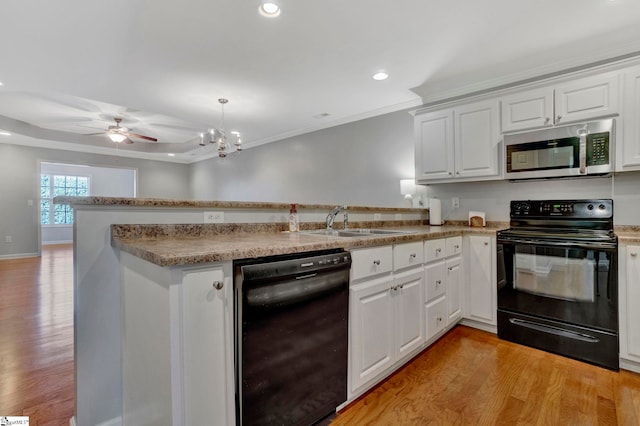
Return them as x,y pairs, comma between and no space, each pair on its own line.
295,290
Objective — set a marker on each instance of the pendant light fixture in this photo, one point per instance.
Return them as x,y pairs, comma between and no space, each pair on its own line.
219,136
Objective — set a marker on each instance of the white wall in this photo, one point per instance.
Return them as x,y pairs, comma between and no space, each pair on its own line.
359,163
20,179
103,181
494,197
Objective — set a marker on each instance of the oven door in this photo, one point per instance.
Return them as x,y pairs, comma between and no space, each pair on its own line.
561,298
574,283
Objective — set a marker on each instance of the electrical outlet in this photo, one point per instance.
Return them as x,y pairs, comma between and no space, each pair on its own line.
8,239
455,202
213,217
377,216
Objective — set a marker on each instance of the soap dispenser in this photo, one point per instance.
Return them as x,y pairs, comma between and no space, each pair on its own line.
294,225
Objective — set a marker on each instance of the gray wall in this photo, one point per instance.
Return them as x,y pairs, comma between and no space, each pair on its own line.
359,163
493,197
19,175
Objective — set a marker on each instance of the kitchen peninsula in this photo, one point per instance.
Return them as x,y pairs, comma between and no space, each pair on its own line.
161,243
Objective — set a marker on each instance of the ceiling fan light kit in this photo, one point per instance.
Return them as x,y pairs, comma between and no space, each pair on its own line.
116,137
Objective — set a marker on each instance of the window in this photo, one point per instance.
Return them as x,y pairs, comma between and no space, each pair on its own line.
53,186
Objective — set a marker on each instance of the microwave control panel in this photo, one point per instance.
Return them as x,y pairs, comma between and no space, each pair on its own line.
598,149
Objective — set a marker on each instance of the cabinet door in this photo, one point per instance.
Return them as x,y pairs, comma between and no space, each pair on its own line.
434,145
454,277
435,279
527,110
477,139
408,255
372,329
631,342
481,286
587,98
408,294
436,316
207,354
631,141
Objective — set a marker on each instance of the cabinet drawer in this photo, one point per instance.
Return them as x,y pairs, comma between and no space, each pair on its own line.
435,275
454,246
434,250
436,316
409,254
371,261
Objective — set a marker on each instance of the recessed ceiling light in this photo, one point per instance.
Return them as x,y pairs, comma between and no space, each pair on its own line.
0,83
3,133
380,76
269,9
171,155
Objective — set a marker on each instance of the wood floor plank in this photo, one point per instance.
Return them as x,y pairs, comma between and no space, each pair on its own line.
470,377
36,337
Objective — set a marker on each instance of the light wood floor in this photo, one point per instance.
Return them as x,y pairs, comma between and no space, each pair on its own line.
36,337
469,377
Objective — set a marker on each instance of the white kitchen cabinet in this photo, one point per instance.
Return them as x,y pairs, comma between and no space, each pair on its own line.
407,255
454,283
443,284
177,352
629,299
386,312
372,326
408,292
458,143
372,261
434,149
629,144
480,292
578,100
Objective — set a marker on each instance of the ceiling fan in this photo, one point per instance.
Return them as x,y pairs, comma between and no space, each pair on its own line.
120,133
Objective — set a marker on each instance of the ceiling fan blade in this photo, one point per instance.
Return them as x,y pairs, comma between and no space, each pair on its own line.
127,140
93,134
148,138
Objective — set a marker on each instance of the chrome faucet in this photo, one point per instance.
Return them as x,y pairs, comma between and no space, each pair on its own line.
331,217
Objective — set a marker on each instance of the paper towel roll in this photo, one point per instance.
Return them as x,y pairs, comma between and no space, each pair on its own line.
435,212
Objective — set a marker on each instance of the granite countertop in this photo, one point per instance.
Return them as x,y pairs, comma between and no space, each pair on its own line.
200,204
185,248
627,234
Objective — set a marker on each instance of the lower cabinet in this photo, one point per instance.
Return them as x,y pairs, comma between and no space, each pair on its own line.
629,299
177,349
454,283
480,289
386,324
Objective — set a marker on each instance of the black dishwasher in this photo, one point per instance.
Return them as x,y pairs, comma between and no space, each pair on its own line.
291,337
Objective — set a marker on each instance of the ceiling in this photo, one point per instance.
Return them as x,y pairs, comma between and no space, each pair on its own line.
69,67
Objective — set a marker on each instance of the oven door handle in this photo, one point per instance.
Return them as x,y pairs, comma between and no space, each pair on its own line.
554,330
575,244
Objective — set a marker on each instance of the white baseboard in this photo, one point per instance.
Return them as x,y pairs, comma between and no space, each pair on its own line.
113,422
18,255
50,243
72,421
480,325
626,364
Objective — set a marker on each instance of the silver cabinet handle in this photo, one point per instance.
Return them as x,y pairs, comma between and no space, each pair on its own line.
413,255
439,319
438,283
456,246
438,250
450,268
633,254
486,243
218,285
450,173
458,173
376,262
558,118
547,120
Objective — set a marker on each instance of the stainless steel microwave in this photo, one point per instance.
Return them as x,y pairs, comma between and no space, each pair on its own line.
577,150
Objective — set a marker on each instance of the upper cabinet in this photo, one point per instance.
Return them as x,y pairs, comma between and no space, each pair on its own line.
578,100
629,148
458,143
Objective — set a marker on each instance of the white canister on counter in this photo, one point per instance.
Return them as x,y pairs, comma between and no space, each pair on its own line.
435,211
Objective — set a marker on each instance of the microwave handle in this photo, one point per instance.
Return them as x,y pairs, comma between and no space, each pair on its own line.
583,152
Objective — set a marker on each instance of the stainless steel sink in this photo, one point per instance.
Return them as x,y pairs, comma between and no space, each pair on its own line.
356,232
